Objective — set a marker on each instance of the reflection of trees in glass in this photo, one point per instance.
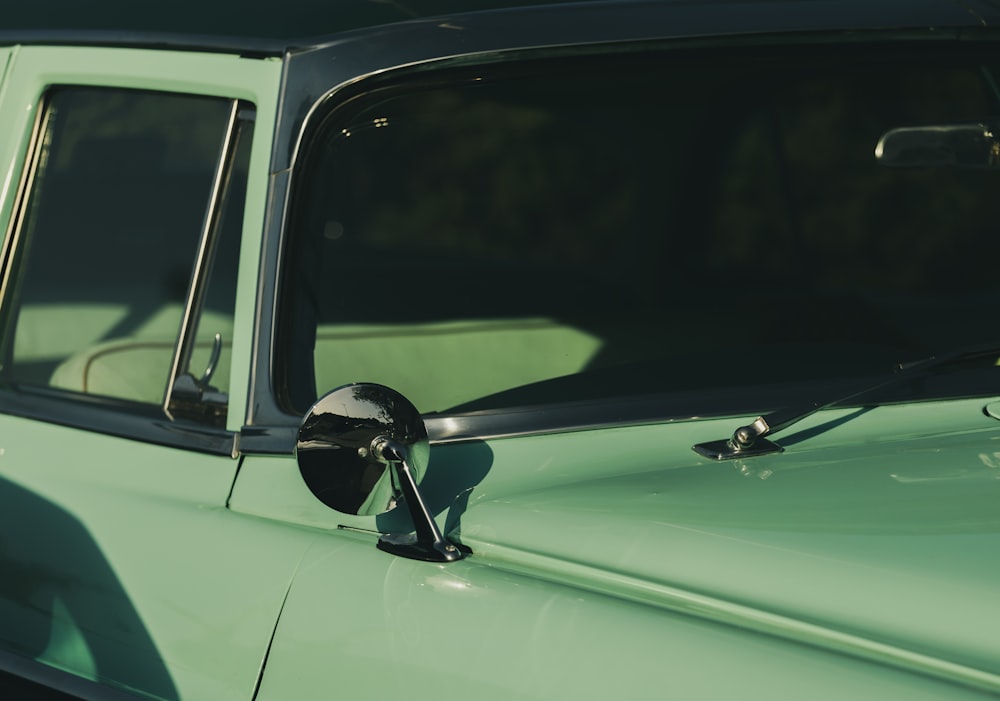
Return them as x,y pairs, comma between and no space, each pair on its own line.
355,414
480,173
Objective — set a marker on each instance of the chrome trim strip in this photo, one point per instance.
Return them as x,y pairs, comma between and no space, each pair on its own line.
279,437
492,425
203,261
15,225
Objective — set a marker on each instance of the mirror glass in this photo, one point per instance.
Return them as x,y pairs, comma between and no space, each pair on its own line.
334,448
954,145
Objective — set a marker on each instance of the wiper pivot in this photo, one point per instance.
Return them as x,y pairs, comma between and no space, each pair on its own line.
746,441
749,441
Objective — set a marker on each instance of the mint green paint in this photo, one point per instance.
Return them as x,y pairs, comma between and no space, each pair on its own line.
122,563
68,647
873,535
993,409
267,86
131,569
12,121
145,69
365,625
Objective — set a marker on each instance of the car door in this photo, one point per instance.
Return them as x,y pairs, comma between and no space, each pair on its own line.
133,181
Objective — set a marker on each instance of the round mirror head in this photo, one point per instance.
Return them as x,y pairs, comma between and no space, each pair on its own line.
335,447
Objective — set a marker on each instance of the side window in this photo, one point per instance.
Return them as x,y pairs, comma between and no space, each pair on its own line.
572,230
109,234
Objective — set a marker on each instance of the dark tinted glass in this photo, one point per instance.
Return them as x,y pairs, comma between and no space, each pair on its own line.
638,224
109,238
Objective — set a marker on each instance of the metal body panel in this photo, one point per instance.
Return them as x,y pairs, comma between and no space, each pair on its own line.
129,570
827,544
121,563
475,629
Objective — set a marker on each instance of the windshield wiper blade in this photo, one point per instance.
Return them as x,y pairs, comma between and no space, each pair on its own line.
750,440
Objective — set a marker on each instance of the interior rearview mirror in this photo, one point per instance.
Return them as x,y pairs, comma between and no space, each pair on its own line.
972,145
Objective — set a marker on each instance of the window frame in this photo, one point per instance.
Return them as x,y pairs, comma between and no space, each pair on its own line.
271,427
245,83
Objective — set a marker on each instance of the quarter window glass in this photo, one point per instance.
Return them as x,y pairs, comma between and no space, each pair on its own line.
108,240
630,225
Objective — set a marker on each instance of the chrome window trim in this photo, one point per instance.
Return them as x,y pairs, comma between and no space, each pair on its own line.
572,417
241,116
494,425
202,264
12,235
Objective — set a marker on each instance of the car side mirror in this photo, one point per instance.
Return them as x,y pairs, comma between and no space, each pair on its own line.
973,145
361,449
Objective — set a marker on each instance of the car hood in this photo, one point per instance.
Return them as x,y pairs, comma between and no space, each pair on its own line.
876,532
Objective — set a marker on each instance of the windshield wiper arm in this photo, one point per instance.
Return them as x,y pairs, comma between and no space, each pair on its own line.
750,440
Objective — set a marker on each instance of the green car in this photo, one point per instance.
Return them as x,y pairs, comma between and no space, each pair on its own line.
618,349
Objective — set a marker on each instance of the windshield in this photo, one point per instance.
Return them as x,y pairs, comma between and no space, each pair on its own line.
685,224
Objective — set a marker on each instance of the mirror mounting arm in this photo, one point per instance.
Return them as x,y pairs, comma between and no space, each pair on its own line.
426,543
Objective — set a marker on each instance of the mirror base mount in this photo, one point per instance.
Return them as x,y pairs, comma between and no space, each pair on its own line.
426,543
409,546
727,450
